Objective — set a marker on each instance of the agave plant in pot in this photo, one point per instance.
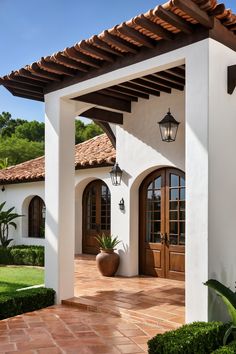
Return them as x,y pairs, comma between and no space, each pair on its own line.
107,260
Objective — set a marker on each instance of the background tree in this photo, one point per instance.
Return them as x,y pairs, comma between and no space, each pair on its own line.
84,132
32,131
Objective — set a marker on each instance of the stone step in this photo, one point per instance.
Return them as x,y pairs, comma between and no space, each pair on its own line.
128,314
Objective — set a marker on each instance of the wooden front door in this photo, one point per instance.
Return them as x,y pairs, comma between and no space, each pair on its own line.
96,215
162,224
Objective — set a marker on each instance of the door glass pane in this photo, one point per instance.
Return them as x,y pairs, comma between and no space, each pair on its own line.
173,215
182,193
157,183
105,208
173,227
174,194
173,239
174,180
173,205
182,182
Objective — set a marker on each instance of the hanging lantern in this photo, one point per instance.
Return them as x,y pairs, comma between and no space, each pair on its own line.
168,128
116,175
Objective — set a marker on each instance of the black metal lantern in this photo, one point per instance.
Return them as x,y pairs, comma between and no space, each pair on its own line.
168,127
122,204
116,175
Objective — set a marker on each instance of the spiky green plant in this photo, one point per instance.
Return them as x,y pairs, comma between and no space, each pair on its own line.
107,242
6,220
229,299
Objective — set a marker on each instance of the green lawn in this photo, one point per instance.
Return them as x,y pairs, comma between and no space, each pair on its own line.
17,277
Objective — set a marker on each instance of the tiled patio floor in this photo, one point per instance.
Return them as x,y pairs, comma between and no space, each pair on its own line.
142,306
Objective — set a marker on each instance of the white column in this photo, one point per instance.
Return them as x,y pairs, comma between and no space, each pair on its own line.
59,196
197,109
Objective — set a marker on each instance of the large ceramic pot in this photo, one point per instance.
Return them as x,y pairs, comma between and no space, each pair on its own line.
107,262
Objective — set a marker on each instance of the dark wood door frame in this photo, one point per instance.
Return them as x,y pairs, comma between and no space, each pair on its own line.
162,254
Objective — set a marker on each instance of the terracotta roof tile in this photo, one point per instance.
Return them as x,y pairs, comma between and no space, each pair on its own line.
95,152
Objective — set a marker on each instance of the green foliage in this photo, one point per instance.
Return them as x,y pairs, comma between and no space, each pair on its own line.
6,220
226,349
4,163
19,150
194,338
229,299
8,125
32,131
22,255
84,132
15,303
107,242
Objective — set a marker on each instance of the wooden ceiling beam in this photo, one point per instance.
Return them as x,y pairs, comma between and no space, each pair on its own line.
21,86
26,95
97,51
135,87
104,46
118,95
30,75
35,70
177,71
194,11
103,115
231,84
173,19
130,92
218,10
170,77
120,43
164,82
153,28
61,59
105,101
152,85
25,80
136,36
82,58
56,68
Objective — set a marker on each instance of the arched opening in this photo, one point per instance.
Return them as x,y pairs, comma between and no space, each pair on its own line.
96,215
162,224
36,213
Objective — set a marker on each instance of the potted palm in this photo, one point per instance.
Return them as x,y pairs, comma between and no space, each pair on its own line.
107,260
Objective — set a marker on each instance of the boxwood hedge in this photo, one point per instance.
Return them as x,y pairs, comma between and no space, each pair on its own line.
227,349
16,303
22,255
194,338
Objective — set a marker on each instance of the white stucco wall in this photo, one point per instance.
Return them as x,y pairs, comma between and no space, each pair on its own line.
19,196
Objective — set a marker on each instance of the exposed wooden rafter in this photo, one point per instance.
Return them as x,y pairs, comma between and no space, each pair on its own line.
103,115
100,99
173,19
231,79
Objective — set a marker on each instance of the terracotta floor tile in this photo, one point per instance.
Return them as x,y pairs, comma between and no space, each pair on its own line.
128,348
144,306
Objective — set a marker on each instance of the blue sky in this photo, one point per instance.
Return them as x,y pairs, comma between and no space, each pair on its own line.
31,29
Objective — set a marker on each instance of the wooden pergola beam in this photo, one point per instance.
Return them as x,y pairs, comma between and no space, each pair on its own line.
153,27
22,86
136,36
104,46
120,43
56,68
136,87
173,19
85,59
37,71
164,82
61,59
152,85
125,90
118,95
194,11
97,51
105,101
103,115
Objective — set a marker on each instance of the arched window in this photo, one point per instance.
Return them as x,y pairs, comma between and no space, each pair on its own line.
36,218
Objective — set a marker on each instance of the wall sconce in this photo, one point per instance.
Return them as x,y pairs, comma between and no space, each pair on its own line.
3,189
168,128
116,175
44,212
122,204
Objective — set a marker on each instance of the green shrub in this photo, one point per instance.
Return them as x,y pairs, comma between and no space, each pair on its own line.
12,304
197,337
22,255
5,256
227,349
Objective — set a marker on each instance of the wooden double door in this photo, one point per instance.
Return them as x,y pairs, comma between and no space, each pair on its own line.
162,224
96,215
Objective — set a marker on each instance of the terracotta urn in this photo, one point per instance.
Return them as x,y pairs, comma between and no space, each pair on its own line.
107,262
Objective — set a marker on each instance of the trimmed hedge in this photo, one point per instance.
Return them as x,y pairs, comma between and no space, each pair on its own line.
227,349
194,338
22,255
12,304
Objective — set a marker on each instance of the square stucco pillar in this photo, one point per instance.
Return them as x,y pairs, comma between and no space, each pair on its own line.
59,196
196,159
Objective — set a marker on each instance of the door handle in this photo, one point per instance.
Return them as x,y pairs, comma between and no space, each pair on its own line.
164,239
